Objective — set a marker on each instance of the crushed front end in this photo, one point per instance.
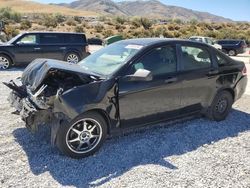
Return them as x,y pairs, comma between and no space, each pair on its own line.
42,83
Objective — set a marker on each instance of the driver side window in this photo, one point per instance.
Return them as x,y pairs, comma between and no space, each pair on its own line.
28,39
159,61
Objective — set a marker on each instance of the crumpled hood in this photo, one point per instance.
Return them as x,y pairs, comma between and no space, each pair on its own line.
36,72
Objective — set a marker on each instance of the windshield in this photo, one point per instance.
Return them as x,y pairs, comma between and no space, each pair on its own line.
13,39
109,59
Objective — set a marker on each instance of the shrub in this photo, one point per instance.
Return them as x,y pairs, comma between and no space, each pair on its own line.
71,22
107,33
120,20
99,28
7,14
59,18
50,21
78,19
146,23
159,31
79,29
11,31
136,22
26,24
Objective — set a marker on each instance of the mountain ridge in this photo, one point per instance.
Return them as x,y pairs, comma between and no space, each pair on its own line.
143,8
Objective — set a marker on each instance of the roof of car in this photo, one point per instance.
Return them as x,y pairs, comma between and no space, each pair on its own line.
50,32
230,40
152,41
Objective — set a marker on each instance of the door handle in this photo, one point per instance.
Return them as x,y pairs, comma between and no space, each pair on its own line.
62,48
170,80
37,48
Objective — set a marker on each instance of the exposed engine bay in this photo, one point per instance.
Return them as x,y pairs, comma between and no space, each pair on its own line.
54,84
43,81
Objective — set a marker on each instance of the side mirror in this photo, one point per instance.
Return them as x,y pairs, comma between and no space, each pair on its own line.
140,75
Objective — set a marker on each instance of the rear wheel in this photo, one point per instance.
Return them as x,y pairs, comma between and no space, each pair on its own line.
232,53
83,136
72,57
5,62
221,106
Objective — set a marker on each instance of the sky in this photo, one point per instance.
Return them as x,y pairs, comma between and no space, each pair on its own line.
238,10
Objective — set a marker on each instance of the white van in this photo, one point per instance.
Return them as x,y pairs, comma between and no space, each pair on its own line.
207,40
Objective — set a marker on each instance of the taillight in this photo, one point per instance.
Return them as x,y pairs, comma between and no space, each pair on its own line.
87,49
243,45
244,71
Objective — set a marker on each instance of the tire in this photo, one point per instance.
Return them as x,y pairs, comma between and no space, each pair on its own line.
72,57
5,62
221,106
83,136
232,53
224,51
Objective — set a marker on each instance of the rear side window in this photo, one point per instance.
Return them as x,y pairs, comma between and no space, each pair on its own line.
221,60
75,39
51,39
195,58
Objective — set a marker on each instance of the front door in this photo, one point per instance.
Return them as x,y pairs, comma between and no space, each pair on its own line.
27,48
142,102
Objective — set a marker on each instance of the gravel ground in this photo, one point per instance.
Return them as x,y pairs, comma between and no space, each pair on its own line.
195,153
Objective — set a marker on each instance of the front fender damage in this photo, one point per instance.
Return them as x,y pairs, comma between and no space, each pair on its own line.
56,105
102,96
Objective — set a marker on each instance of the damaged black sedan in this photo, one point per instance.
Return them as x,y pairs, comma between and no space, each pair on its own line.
127,84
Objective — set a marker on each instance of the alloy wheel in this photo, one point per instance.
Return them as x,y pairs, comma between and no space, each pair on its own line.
72,58
84,135
4,63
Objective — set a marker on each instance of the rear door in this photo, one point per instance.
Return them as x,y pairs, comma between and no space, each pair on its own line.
198,75
27,48
76,43
142,102
52,45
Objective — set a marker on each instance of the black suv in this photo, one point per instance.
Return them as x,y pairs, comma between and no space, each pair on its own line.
233,47
24,48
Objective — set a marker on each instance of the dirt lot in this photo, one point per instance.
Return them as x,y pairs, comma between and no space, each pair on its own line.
194,153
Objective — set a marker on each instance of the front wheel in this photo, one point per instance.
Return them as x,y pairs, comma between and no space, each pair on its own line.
72,57
5,62
221,106
83,136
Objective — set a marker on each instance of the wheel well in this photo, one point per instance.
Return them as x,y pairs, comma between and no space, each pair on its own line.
11,60
72,51
231,91
104,115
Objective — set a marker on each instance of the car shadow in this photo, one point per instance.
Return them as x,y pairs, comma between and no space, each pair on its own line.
14,69
119,154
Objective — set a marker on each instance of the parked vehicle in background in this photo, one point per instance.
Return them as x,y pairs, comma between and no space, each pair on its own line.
127,84
24,48
233,47
95,41
206,40
112,39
